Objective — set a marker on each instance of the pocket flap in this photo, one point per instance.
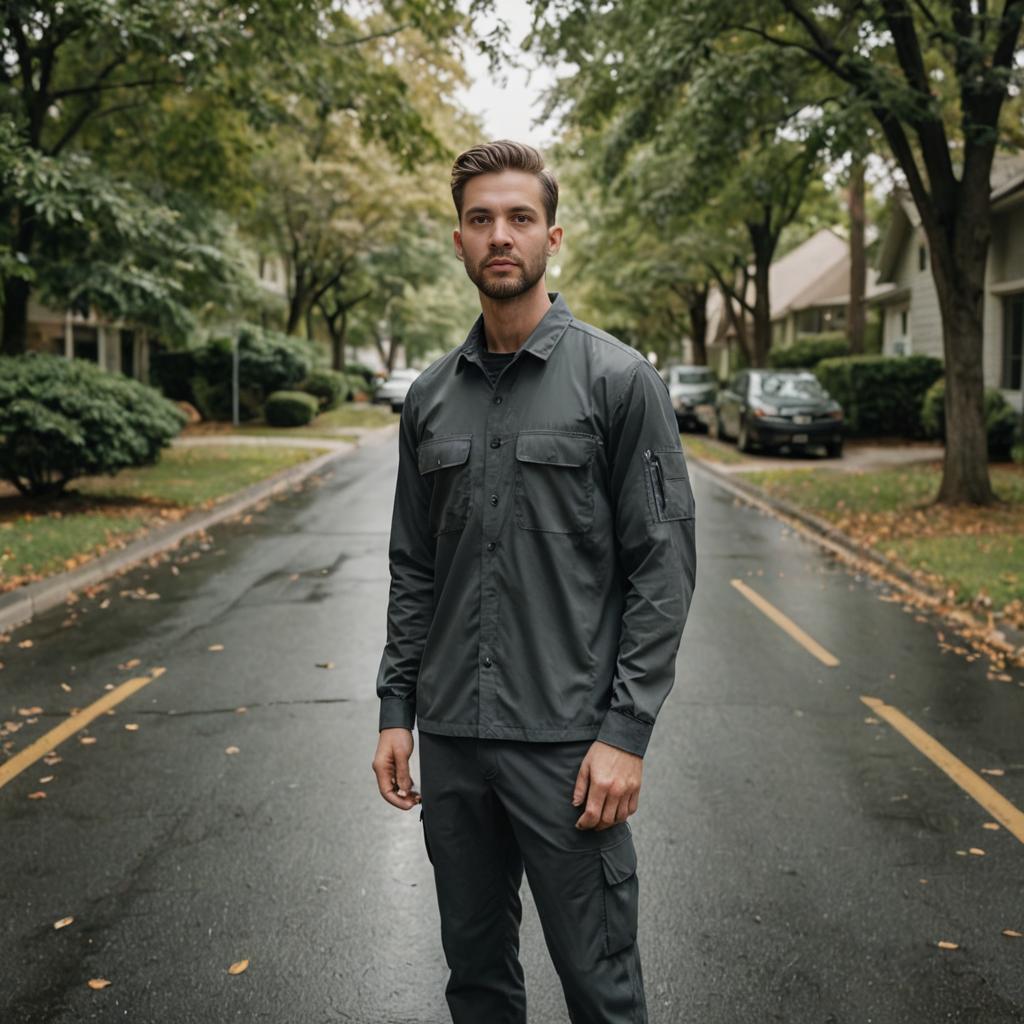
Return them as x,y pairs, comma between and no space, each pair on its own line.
443,451
673,463
619,861
553,448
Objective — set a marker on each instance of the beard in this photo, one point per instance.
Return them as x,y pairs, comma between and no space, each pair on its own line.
513,283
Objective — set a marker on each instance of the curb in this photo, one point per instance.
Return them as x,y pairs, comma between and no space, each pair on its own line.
849,550
21,606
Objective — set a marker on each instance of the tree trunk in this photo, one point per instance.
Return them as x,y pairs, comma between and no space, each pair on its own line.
858,265
16,293
764,249
958,271
697,307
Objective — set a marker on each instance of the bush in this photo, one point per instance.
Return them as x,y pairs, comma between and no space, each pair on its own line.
329,386
65,418
1017,452
368,376
290,409
172,372
880,395
806,352
357,383
1001,421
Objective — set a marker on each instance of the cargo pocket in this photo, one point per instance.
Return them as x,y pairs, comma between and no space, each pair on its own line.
621,895
554,483
444,461
668,484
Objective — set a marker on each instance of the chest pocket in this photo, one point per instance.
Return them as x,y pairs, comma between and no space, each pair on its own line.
554,481
444,461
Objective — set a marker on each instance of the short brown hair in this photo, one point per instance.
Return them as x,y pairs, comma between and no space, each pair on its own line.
504,155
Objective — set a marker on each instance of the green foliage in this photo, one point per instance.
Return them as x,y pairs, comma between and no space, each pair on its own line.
1002,422
290,409
808,350
330,387
880,395
61,419
357,383
365,372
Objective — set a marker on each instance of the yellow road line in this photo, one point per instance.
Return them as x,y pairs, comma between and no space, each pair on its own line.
972,784
786,624
72,724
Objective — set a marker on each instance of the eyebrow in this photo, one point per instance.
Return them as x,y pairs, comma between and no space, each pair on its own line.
513,209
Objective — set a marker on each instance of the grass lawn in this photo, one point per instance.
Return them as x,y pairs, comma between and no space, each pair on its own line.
978,553
38,538
331,425
709,449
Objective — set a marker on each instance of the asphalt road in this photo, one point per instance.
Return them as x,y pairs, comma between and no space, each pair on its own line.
799,858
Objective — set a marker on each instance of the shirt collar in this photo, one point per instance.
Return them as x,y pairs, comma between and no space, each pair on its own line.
540,343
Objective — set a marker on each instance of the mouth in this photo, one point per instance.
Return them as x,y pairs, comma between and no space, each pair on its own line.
502,264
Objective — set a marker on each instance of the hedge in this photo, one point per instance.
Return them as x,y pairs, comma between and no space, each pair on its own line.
290,409
880,395
330,387
808,351
65,418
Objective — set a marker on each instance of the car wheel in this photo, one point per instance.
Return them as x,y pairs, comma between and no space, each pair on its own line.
834,449
743,441
717,429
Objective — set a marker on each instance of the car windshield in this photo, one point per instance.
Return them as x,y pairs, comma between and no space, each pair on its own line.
788,386
694,375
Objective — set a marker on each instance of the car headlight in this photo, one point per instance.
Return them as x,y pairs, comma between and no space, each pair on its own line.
765,410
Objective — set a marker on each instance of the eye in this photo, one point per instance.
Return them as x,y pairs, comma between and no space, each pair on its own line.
477,218
522,218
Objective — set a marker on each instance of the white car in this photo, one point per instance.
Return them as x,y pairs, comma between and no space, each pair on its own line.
394,388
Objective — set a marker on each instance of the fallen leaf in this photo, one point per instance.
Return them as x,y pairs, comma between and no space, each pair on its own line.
108,686
241,711
325,664
991,826
105,603
38,795
25,644
1011,934
65,687
215,647
98,983
86,739
231,750
63,922
238,966
943,944
977,851
992,771
30,711
131,663
871,720
132,726
46,778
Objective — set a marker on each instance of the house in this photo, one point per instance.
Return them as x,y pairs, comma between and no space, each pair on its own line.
911,321
808,291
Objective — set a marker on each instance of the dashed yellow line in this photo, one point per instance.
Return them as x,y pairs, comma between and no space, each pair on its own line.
74,723
786,624
971,783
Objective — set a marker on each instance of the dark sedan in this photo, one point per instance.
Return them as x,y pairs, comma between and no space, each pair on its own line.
771,409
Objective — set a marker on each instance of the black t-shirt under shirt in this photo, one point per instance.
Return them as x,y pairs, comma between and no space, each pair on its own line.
494,361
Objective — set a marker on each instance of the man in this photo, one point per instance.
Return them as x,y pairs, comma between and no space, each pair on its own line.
542,564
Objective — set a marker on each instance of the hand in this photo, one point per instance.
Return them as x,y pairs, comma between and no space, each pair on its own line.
609,780
391,766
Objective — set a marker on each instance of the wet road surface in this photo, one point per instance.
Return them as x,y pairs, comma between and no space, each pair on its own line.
799,858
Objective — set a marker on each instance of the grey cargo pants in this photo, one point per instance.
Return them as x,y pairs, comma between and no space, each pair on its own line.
491,807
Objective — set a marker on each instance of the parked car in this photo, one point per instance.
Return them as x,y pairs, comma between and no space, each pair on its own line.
690,388
393,390
771,409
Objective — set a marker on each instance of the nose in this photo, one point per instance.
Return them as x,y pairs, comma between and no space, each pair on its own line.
501,235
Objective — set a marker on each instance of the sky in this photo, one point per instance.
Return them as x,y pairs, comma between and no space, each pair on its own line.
508,108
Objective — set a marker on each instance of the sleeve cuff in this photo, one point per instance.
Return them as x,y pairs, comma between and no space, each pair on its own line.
396,713
625,732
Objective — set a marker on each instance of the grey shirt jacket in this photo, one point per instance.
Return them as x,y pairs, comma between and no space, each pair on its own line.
542,549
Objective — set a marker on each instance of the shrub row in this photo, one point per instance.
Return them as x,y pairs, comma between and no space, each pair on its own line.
1002,422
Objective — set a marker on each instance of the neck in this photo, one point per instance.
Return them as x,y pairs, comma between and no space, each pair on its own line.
509,322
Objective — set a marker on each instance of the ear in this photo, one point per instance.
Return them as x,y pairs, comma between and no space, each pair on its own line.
554,239
457,240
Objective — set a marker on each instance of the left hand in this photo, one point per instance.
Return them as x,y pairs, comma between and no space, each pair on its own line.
609,780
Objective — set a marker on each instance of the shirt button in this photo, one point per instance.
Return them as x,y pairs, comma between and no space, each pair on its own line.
497,400
494,499
487,662
495,443
491,545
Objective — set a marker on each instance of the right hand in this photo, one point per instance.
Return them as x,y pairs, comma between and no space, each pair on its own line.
391,766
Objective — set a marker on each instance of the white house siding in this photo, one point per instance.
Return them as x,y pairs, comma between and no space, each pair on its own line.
1004,277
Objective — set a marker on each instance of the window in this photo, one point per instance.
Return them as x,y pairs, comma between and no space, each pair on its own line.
1013,341
922,257
904,322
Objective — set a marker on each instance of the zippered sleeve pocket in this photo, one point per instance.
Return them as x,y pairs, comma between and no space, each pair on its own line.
668,483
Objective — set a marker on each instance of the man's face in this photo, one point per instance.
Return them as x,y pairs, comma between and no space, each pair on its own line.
503,236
